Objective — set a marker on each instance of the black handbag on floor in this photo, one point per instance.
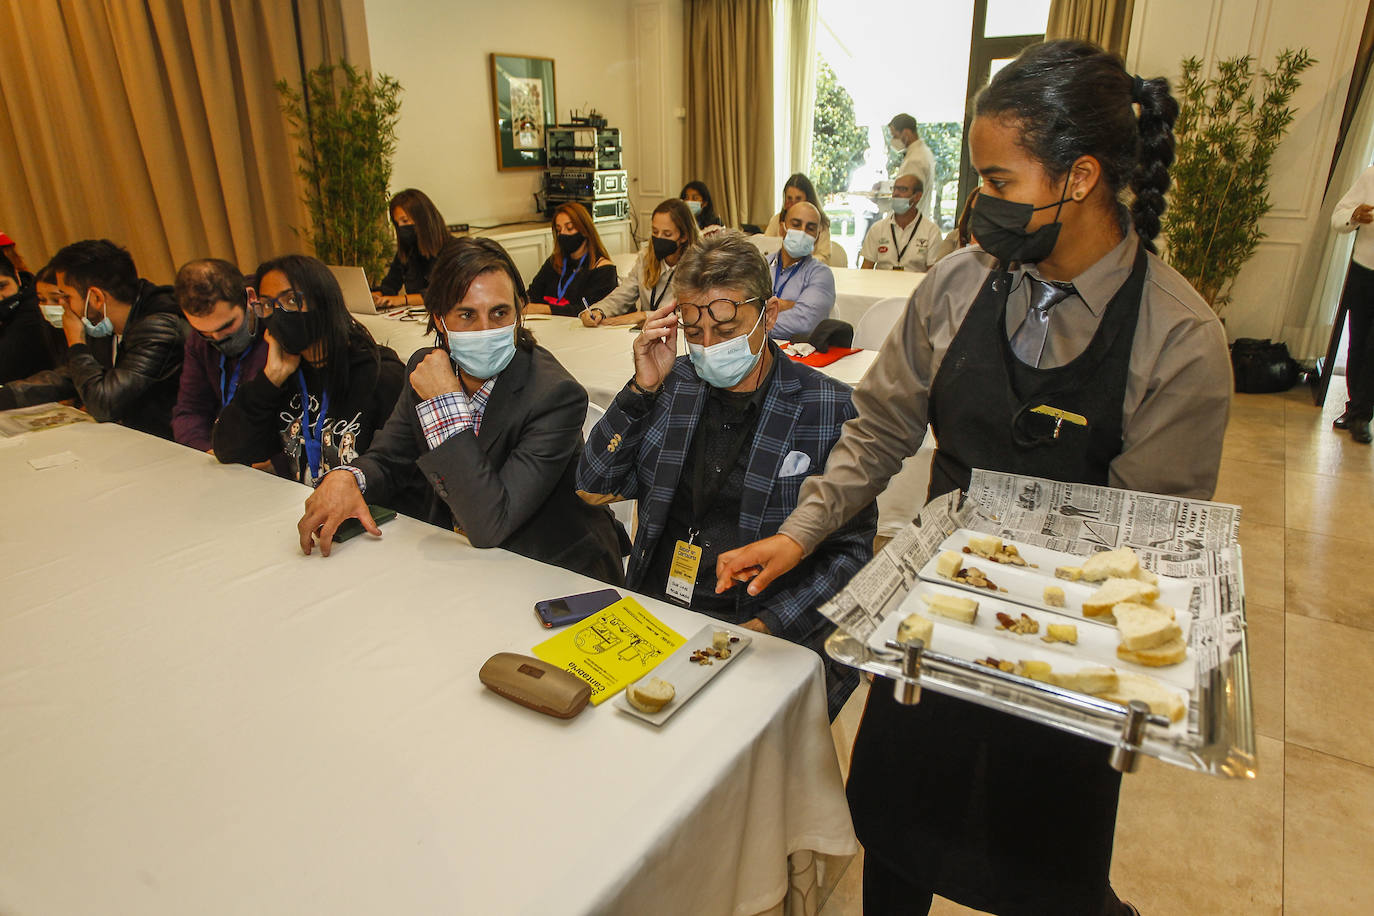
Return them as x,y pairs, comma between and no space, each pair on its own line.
1262,366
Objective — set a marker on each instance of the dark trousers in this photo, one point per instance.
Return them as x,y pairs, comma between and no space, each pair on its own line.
888,893
1358,298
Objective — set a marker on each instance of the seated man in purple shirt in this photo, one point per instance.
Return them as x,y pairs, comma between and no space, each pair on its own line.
226,350
803,287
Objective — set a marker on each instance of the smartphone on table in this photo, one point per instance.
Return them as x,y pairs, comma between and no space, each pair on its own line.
559,612
351,527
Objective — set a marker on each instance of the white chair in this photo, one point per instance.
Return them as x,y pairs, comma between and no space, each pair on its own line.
624,510
624,263
838,256
766,244
877,322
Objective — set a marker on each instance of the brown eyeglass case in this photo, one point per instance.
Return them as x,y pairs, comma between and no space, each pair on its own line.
536,684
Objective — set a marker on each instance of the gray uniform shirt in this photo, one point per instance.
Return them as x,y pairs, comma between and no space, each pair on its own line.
1178,386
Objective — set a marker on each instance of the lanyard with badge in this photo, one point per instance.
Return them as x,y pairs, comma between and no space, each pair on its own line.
563,284
313,434
655,299
777,273
227,388
901,252
682,572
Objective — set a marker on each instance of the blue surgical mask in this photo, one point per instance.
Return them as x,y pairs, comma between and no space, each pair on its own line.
694,206
482,354
798,243
103,328
724,365
900,205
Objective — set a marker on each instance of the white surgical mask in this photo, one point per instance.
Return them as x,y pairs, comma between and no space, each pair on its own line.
694,206
900,205
53,313
798,243
725,364
896,144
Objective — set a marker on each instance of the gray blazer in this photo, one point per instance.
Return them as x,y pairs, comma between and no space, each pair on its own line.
512,486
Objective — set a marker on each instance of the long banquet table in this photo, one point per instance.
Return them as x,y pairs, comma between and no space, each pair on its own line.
600,359
196,718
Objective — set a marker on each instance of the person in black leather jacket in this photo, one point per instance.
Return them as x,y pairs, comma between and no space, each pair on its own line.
125,339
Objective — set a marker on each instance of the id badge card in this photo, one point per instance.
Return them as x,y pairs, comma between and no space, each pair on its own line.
682,574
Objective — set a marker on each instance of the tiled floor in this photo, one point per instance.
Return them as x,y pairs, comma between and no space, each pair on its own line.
1300,838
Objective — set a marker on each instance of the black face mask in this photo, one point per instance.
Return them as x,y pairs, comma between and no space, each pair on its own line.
570,243
406,237
237,343
291,331
999,226
665,248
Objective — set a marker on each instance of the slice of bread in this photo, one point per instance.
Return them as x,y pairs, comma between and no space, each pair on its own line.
1114,592
963,610
1143,627
1121,563
1093,679
650,695
1161,700
916,627
1169,653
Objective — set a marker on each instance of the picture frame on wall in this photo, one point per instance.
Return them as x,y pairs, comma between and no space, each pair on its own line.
523,105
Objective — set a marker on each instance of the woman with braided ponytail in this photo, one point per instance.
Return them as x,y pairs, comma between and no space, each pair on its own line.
1061,302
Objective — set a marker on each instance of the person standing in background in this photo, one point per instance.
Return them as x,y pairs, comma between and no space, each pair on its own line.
1354,213
420,233
579,270
919,161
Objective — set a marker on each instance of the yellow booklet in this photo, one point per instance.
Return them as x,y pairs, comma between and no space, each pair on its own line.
612,648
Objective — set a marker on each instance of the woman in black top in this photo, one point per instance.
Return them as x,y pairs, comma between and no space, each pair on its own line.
420,233
698,198
24,347
327,385
579,270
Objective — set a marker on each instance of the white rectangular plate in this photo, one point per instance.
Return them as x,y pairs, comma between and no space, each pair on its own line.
1026,584
1096,644
686,676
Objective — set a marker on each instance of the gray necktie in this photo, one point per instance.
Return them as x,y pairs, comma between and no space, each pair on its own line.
1028,343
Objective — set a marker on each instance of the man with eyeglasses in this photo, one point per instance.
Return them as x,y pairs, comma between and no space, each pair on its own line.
226,350
715,446
125,341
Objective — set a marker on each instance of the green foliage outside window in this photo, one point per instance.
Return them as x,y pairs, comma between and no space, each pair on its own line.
1226,135
346,124
837,141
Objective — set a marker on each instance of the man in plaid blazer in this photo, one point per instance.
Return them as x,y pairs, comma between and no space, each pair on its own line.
715,446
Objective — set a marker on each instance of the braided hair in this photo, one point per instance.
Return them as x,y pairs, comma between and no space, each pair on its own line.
1071,99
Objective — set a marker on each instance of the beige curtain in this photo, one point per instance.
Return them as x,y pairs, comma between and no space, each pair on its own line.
155,123
1104,22
729,88
801,82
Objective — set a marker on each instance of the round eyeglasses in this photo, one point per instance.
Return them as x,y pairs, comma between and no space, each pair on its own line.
719,310
263,306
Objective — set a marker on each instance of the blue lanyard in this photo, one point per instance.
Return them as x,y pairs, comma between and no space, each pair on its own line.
564,284
777,272
313,434
227,388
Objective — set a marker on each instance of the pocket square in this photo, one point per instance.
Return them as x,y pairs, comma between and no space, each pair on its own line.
795,463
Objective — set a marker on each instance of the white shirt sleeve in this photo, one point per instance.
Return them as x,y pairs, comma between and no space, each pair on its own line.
1362,192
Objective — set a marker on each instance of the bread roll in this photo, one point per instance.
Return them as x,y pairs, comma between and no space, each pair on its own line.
1093,680
650,695
1161,700
1170,653
1114,592
1143,627
1121,563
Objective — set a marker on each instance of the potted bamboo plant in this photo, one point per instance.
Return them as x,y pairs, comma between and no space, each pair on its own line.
1227,131
345,120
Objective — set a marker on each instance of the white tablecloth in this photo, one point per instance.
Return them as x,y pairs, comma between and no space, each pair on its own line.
195,718
600,359
856,290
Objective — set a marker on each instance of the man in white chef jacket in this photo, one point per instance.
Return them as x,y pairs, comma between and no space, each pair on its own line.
906,240
919,161
1355,213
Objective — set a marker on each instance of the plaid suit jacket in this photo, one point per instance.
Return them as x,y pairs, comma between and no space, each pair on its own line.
642,457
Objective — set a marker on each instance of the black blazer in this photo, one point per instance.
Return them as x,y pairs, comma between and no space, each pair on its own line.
512,486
